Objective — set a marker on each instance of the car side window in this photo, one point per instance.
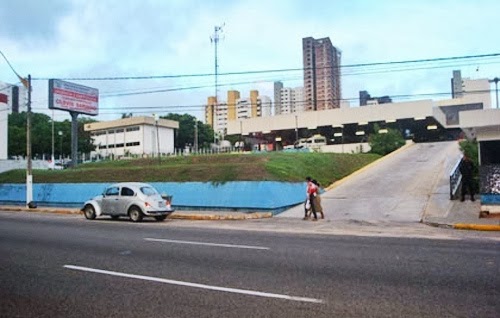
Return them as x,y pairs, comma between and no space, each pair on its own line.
127,192
112,191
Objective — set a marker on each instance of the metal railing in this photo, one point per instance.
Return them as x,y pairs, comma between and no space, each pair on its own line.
455,179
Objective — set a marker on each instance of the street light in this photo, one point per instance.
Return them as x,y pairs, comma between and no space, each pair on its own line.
60,133
157,117
195,136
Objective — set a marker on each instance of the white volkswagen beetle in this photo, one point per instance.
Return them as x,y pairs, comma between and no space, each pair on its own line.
133,199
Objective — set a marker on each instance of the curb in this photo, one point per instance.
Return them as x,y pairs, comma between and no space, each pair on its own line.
465,226
175,215
212,217
476,227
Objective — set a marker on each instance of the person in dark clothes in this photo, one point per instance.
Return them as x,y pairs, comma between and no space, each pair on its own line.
467,171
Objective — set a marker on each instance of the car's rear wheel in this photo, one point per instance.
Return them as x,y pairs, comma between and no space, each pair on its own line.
160,218
89,212
135,214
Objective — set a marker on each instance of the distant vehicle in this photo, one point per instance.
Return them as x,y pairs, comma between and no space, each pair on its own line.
133,199
314,142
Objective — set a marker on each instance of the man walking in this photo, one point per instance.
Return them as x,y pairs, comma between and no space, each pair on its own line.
467,171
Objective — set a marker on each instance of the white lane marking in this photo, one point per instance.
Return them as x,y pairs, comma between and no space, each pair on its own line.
208,244
195,285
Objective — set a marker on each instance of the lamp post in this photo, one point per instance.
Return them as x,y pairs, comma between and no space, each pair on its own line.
195,136
296,128
157,117
60,133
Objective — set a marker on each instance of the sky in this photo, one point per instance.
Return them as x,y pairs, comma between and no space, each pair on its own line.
107,44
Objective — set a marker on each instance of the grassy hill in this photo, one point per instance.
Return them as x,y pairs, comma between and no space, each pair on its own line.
273,166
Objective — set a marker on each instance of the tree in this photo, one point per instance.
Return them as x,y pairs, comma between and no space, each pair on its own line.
383,144
85,142
185,134
41,134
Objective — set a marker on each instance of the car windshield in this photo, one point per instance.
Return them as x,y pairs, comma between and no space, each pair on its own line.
149,190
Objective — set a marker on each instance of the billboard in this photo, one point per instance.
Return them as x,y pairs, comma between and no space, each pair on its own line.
73,97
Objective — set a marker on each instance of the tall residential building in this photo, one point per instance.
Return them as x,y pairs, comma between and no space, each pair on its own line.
210,111
258,105
232,97
236,108
277,97
292,100
321,62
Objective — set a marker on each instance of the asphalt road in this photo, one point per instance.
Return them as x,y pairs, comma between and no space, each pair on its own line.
65,266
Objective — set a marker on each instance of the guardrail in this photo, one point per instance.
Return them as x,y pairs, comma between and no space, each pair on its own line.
455,179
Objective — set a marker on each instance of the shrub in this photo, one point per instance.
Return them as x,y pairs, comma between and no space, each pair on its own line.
383,144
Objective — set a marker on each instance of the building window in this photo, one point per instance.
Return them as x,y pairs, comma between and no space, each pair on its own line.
135,128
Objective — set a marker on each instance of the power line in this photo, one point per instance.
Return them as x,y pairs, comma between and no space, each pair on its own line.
151,77
301,102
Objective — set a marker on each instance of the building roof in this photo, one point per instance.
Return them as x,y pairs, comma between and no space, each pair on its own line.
131,121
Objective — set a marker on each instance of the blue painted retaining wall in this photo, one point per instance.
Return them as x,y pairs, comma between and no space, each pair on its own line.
241,195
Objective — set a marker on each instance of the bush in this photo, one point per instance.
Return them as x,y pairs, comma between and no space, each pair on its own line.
383,144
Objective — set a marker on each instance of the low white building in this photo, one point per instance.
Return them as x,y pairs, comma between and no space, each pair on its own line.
142,136
12,99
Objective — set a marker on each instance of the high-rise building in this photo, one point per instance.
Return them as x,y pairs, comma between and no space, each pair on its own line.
236,108
277,97
292,100
321,60
232,97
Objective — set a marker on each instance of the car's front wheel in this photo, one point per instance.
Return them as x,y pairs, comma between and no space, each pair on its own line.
160,218
89,212
135,214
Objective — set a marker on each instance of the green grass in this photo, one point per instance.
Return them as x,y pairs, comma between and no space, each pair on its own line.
273,166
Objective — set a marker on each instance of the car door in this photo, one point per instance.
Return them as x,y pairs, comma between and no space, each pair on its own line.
127,195
110,200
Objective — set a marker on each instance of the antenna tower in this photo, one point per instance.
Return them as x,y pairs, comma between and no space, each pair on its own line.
215,40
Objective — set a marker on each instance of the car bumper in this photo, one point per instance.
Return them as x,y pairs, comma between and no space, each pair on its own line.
158,212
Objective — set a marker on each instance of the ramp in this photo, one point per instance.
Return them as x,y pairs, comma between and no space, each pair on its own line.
403,187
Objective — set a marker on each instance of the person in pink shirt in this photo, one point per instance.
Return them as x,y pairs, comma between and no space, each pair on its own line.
311,193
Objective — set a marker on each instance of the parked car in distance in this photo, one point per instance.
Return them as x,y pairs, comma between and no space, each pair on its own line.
133,199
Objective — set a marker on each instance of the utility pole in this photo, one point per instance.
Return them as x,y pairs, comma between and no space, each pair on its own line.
215,40
29,177
29,173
